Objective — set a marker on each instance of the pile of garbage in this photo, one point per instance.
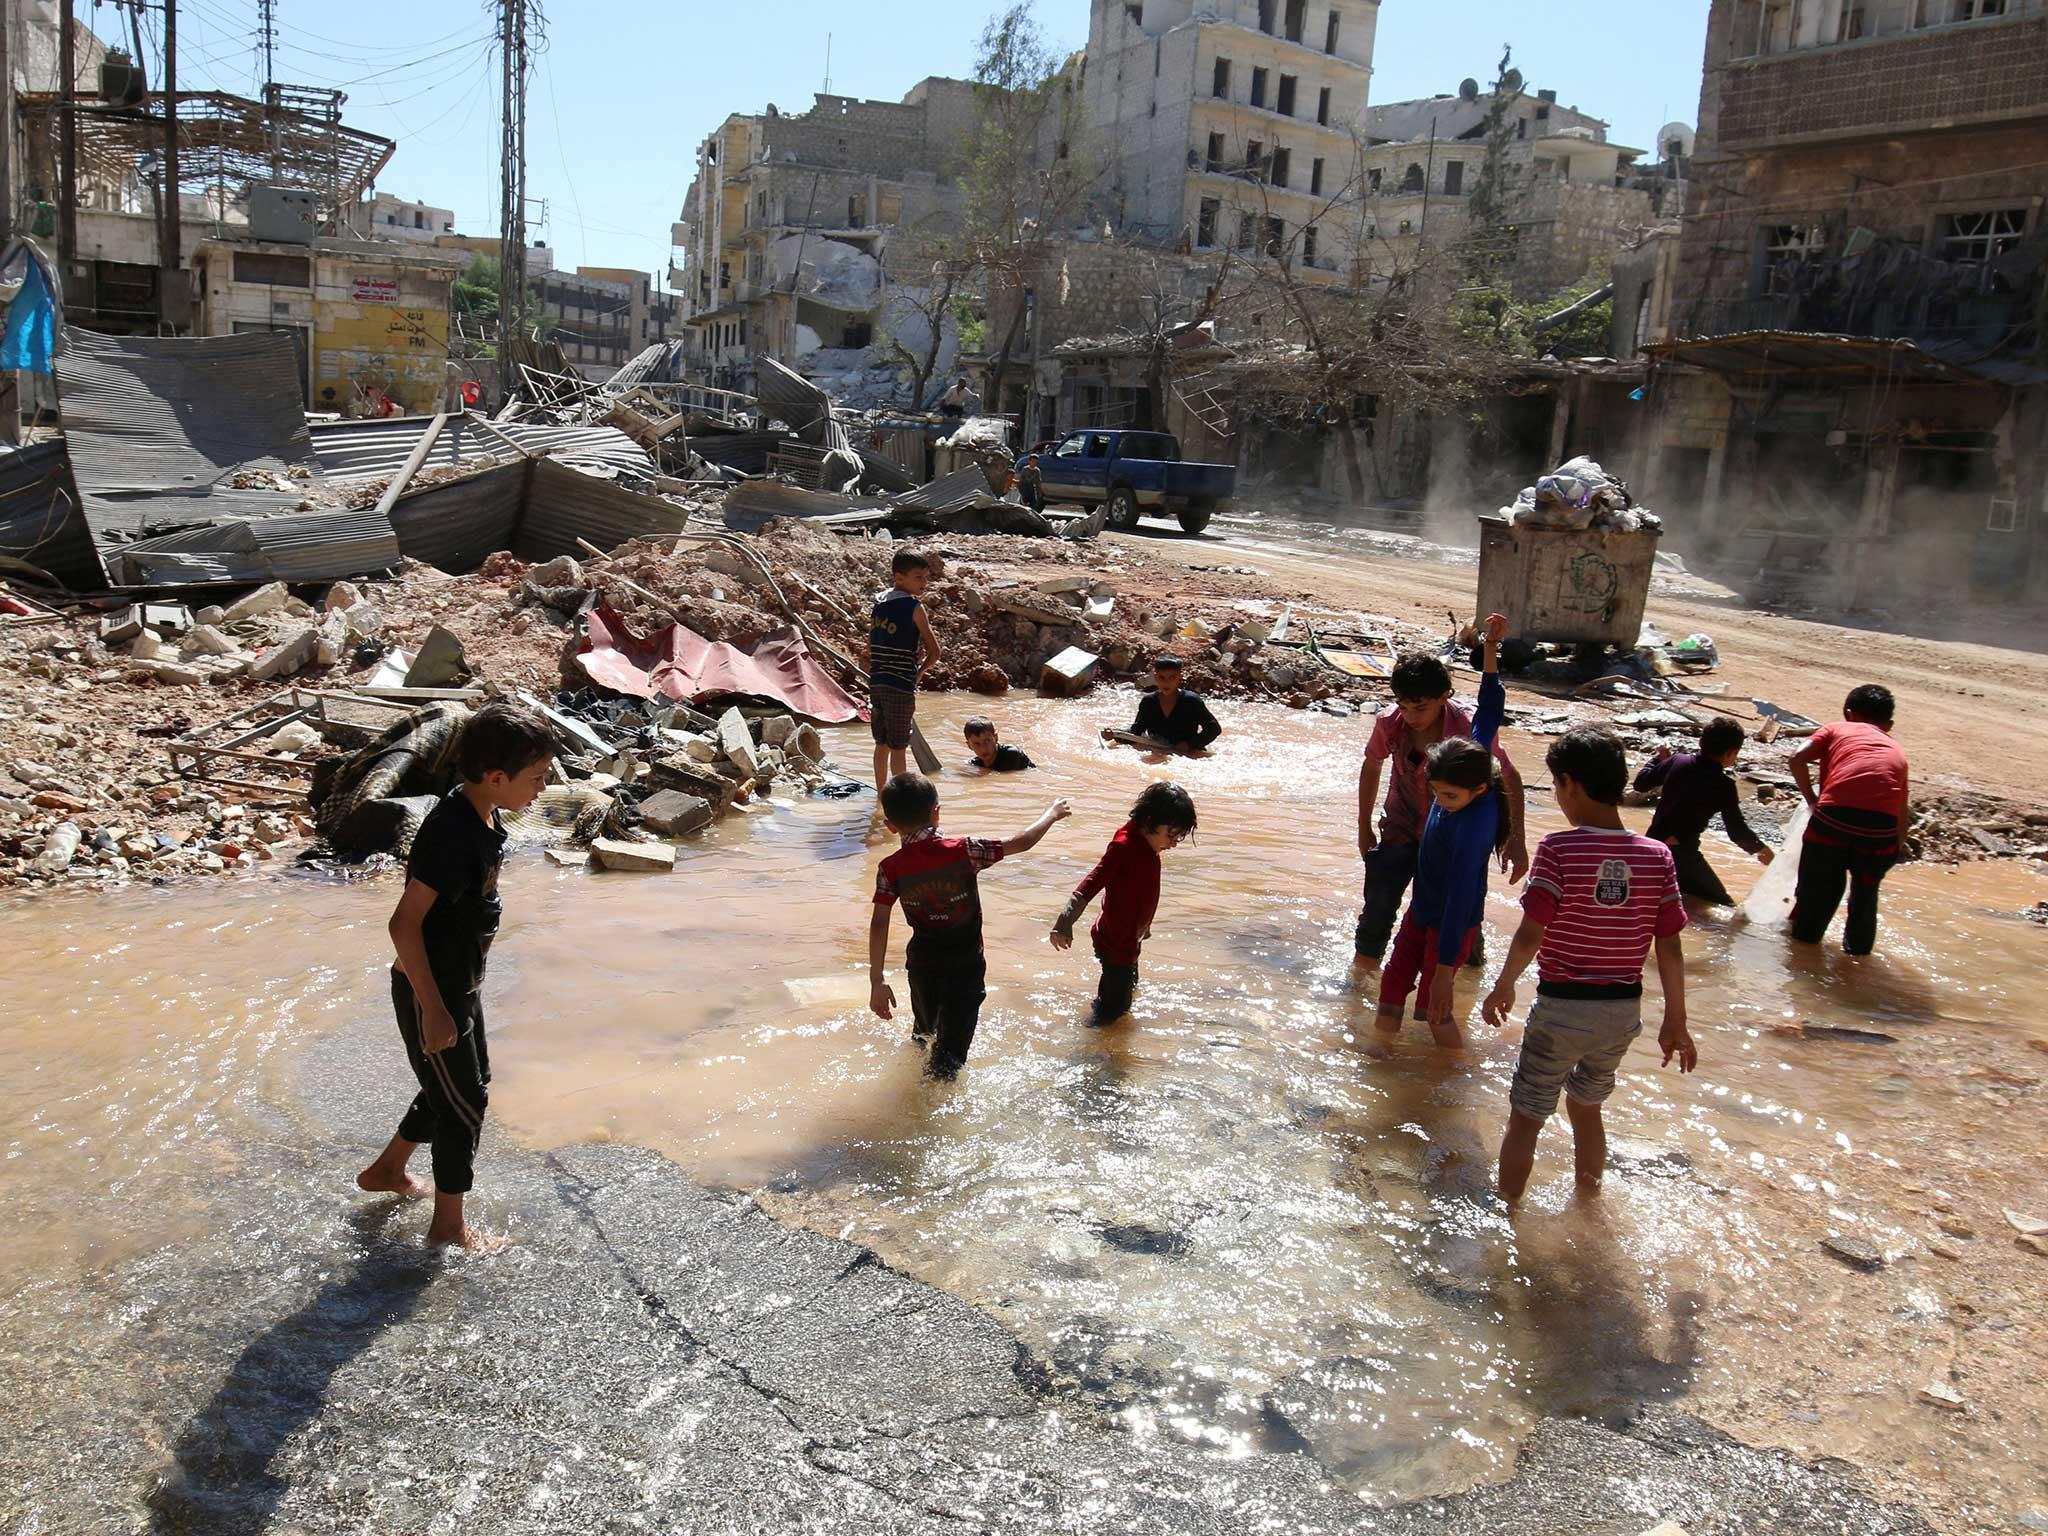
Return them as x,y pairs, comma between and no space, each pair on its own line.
1580,494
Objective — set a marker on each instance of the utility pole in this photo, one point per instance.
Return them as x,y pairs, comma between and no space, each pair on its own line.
174,233
7,134
67,140
266,33
512,213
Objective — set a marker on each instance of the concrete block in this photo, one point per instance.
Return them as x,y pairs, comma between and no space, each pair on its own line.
737,742
639,858
210,615
342,595
175,672
167,618
205,640
267,599
777,730
333,638
148,647
1070,672
288,655
568,858
673,813
124,625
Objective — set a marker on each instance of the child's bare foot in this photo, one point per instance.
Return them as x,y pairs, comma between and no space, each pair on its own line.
379,1180
468,1238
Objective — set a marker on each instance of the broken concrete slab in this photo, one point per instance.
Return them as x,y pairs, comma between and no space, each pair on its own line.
205,640
636,858
568,858
439,662
124,624
333,638
342,595
737,742
777,729
289,655
677,771
266,599
175,672
674,813
167,618
148,646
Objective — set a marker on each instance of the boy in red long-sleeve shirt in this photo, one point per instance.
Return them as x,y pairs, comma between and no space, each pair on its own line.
1128,878
1858,816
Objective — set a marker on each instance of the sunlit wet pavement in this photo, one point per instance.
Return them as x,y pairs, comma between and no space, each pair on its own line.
1224,1221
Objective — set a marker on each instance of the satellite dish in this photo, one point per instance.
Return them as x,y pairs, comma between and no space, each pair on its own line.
1680,135
1468,90
1511,80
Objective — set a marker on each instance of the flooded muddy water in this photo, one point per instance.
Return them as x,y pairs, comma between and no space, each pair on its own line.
1224,1219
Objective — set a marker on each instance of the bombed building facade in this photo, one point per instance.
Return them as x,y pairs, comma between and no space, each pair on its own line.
1855,394
790,233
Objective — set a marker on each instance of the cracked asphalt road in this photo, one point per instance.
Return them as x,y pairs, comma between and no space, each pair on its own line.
653,1355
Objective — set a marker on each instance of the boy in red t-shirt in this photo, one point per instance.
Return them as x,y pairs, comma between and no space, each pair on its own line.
935,879
1599,898
1128,876
1852,836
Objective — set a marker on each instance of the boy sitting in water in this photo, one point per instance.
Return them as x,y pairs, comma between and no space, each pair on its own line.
1694,789
1599,897
442,931
935,879
1170,715
990,755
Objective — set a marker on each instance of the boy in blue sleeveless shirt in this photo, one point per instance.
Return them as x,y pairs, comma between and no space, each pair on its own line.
900,645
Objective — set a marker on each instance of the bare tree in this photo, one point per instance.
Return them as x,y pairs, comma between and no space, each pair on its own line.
1030,169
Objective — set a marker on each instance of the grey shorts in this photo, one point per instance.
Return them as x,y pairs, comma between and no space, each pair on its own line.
894,711
1574,1046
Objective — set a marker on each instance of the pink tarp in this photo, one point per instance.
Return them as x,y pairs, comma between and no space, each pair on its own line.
679,663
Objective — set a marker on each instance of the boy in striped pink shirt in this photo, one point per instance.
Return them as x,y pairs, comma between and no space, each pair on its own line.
1599,899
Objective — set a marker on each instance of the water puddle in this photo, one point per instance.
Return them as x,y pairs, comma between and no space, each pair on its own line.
1224,1219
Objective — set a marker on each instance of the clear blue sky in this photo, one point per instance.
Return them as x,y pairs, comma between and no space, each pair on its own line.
625,92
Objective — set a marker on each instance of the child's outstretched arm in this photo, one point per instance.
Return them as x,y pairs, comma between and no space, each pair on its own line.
1500,1002
1674,1039
1063,925
881,997
437,1025
1493,698
1032,835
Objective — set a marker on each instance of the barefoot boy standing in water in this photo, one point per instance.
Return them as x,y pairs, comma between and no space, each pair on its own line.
442,932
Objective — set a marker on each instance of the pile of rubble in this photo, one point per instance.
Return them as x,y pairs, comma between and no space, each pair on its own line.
265,636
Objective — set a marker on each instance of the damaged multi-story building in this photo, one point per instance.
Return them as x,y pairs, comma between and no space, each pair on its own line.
1854,391
807,236
1233,123
1571,198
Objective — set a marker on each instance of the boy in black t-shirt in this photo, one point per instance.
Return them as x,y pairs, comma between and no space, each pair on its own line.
442,932
990,753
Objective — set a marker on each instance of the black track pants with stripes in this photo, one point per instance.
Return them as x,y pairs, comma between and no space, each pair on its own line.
455,1089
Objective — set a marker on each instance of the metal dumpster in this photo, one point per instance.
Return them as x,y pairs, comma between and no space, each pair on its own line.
1586,586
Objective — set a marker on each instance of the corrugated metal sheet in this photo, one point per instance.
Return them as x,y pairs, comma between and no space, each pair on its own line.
375,450
306,546
40,520
458,525
746,452
563,506
158,426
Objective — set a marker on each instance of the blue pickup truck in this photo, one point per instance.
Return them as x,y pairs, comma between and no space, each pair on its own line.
1132,472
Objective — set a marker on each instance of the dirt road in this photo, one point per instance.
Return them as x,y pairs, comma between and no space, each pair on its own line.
1971,716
